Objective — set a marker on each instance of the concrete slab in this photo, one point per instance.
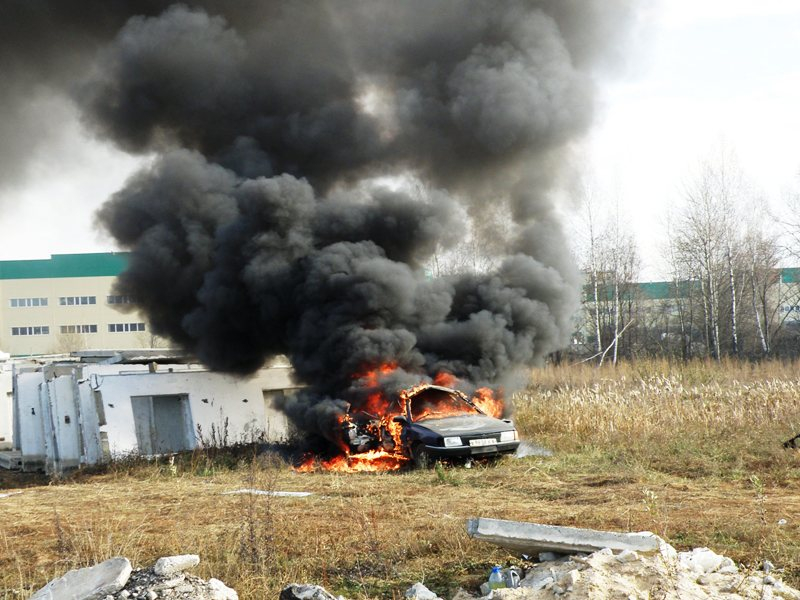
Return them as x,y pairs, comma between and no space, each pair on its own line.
269,493
91,583
532,538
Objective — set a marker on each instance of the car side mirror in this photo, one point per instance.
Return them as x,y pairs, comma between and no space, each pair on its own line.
400,419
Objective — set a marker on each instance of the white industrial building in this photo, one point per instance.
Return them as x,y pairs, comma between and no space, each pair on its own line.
64,413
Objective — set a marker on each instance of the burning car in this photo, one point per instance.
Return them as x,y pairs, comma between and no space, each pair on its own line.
430,422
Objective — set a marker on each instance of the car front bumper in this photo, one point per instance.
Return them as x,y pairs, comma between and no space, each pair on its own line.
456,451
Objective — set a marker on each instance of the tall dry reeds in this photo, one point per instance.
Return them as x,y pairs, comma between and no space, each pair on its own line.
718,413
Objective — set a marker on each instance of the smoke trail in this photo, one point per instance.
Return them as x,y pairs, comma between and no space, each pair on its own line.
260,229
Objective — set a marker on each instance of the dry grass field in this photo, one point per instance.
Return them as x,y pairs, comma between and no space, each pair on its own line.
692,452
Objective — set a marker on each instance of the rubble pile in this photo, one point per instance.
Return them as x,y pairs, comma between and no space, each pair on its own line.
700,574
588,563
114,579
666,574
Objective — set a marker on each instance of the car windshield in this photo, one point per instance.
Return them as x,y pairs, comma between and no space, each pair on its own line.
436,404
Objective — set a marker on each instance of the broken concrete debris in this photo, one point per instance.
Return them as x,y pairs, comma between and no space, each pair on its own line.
532,538
643,566
114,579
276,494
169,565
418,591
91,583
604,574
303,591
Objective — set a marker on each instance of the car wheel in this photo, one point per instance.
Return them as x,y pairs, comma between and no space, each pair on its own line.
420,457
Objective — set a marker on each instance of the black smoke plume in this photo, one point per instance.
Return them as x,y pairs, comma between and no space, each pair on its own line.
260,229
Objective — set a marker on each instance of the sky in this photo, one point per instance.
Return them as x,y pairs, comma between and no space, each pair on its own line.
702,75
696,74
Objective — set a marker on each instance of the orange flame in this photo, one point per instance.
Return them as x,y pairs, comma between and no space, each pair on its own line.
485,399
384,410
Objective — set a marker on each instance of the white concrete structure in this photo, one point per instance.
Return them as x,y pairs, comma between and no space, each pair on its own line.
6,413
68,414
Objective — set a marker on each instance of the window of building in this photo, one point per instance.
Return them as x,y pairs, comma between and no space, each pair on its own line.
124,327
79,329
120,300
25,302
77,300
32,330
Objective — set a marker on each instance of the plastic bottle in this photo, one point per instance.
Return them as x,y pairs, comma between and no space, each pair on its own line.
496,579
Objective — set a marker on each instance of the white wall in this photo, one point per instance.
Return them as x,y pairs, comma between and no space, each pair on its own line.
90,424
63,445
31,428
212,398
6,404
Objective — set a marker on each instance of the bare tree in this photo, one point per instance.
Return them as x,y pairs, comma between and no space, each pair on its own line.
610,259
682,290
764,254
707,241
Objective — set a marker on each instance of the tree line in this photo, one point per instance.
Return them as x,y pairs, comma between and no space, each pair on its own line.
729,291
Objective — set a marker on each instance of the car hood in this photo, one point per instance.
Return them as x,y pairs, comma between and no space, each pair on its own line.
465,425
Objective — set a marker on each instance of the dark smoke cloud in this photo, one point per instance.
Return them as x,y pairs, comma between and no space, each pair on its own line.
257,231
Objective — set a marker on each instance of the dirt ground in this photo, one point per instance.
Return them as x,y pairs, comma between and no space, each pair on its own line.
373,535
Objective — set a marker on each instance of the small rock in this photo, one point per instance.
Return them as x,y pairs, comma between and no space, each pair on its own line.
220,591
727,566
785,591
701,560
300,591
485,589
170,583
557,589
548,556
769,580
604,552
174,564
703,580
569,578
124,594
768,566
545,583
627,556
151,595
420,592
462,594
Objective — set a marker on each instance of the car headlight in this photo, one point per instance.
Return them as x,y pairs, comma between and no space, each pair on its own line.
449,442
509,436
